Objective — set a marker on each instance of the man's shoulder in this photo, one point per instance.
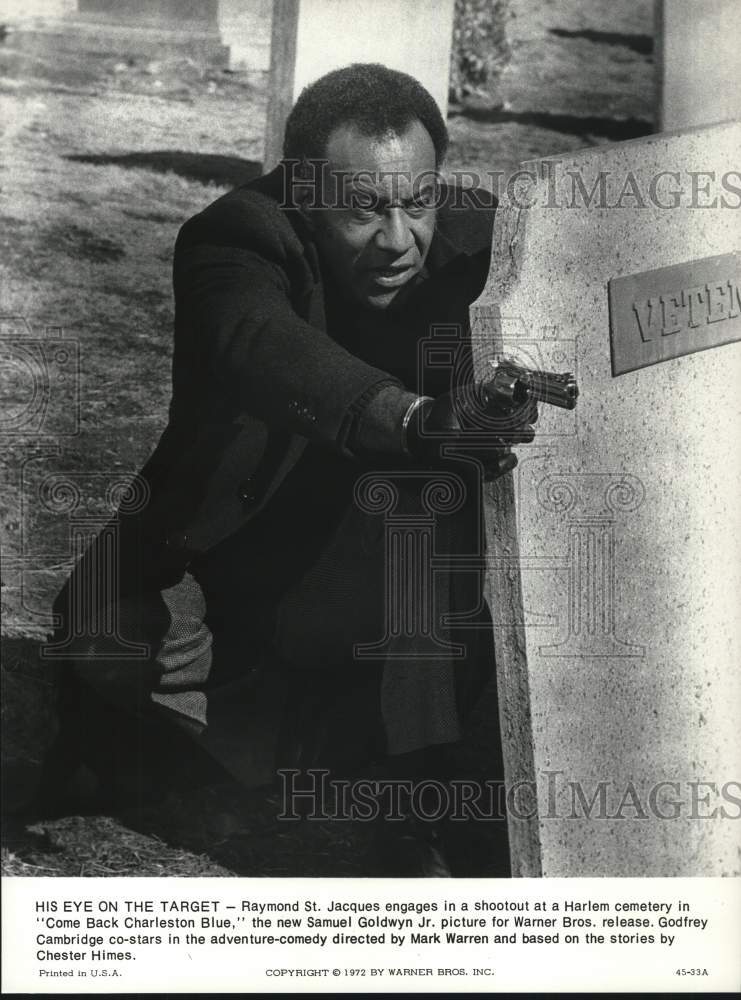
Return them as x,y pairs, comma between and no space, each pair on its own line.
252,216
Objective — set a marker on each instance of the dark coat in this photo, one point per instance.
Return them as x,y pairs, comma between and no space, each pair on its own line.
256,378
255,374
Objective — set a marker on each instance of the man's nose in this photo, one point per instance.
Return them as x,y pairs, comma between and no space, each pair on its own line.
394,233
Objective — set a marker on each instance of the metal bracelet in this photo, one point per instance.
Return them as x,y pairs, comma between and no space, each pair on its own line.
411,410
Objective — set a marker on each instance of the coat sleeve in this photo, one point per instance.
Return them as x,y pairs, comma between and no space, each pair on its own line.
236,274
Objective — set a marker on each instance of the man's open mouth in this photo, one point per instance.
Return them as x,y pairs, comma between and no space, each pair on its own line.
390,277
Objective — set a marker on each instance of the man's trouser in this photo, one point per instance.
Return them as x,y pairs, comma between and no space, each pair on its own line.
200,648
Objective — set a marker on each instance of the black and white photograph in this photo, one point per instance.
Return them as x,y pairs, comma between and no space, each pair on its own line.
370,483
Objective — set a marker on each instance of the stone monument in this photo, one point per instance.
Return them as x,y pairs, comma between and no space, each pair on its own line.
245,29
614,551
697,62
144,28
312,37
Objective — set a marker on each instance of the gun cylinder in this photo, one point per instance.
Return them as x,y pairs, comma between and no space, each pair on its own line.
511,385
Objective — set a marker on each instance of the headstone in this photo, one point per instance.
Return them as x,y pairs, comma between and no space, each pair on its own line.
144,28
614,552
166,13
698,78
20,12
312,37
245,30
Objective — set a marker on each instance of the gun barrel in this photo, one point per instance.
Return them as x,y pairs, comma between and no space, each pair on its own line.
556,389
513,385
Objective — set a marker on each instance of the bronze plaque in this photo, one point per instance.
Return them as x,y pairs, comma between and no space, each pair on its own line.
663,314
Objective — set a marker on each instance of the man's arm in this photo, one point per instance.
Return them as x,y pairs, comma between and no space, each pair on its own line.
236,269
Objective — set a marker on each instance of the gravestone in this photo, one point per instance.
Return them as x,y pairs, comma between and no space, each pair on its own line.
312,37
126,28
614,551
697,65
166,13
245,29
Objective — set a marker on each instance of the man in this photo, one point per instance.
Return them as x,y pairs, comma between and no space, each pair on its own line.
303,301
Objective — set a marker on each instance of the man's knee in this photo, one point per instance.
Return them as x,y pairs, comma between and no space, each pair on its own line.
154,640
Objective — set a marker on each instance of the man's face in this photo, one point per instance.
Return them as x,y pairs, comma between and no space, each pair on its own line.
374,234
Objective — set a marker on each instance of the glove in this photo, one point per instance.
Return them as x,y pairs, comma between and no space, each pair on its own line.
466,422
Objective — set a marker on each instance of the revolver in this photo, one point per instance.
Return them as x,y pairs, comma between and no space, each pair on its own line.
512,385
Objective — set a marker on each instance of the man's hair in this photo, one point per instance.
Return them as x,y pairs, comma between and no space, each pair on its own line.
372,97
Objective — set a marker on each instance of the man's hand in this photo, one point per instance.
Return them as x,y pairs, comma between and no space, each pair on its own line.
465,422
433,431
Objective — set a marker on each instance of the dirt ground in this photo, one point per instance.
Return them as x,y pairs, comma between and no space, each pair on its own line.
103,159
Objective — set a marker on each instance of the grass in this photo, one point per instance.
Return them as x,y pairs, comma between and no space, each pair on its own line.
103,847
87,249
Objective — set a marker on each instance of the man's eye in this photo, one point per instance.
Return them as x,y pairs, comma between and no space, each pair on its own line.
362,202
363,214
416,208
425,200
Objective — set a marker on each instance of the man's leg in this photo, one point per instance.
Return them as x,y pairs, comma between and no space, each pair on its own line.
127,671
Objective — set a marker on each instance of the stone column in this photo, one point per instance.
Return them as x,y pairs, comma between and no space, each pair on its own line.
411,561
697,62
312,37
89,506
245,28
146,28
